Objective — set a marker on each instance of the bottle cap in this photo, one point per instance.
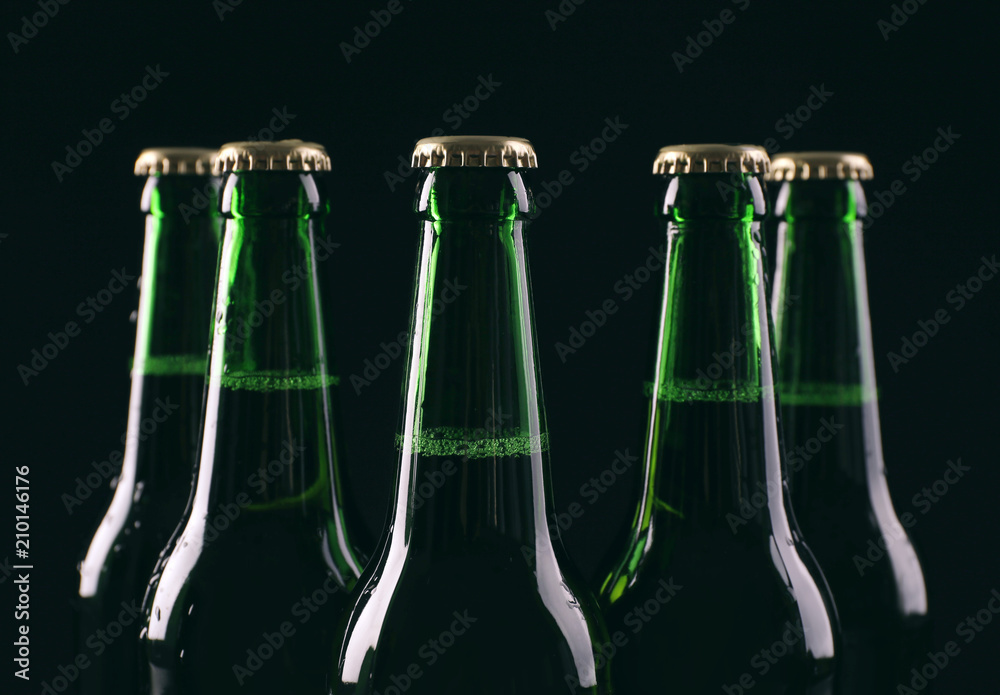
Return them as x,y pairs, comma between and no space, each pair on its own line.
164,161
280,155
820,165
711,159
474,151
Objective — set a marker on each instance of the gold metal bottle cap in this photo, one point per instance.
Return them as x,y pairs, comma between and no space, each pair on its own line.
280,155
711,159
807,166
474,151
174,160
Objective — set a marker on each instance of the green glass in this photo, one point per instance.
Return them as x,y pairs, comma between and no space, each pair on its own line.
468,593
831,422
262,560
161,442
715,590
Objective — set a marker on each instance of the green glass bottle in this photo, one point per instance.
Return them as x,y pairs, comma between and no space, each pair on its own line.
468,593
830,413
262,560
173,325
715,590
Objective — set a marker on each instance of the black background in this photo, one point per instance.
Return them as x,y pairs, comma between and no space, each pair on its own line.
556,86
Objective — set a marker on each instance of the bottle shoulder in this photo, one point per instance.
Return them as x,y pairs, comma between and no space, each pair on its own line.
746,584
220,571
487,600
669,547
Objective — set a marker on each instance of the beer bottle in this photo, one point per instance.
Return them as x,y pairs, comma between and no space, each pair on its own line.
264,555
468,592
715,590
173,325
830,413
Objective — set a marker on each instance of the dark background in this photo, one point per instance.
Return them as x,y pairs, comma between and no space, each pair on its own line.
556,86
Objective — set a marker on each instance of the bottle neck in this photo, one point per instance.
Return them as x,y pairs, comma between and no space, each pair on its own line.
820,306
173,326
268,322
713,324
268,446
178,268
712,409
473,439
823,330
